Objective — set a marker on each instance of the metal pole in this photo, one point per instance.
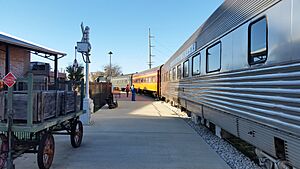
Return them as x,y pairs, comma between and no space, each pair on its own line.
110,67
110,71
87,108
87,95
81,93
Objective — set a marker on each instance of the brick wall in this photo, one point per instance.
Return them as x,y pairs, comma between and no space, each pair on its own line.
19,61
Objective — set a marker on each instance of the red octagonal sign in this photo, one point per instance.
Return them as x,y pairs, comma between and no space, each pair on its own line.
9,79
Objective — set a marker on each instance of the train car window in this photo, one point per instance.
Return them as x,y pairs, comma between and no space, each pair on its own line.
174,73
258,35
213,57
186,69
196,65
179,72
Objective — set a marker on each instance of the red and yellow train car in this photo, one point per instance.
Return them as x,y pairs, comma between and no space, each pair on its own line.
147,81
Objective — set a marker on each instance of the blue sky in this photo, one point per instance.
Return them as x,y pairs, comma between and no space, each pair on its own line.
120,26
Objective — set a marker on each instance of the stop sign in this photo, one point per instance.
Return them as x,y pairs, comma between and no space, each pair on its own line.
9,79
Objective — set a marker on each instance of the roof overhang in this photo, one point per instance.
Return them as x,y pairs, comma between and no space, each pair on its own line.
32,47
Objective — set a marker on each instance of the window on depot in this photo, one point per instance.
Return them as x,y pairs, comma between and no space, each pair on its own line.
196,65
213,57
186,69
170,75
258,35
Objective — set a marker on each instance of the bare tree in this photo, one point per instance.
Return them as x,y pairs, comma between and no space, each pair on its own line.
94,75
116,70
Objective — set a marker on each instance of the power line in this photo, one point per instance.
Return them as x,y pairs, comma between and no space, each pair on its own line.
163,46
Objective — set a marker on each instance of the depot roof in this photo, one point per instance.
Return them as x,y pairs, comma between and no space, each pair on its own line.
12,40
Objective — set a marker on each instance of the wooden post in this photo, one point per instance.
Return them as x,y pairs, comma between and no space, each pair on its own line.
56,72
30,101
7,60
10,164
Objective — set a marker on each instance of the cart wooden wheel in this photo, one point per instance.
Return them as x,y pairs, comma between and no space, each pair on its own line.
3,150
46,151
76,134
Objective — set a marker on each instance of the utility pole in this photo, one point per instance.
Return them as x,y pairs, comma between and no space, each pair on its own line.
150,50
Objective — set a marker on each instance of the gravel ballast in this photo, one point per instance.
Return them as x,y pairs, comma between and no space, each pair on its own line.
233,157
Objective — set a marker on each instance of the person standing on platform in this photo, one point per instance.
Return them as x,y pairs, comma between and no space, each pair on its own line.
132,93
127,89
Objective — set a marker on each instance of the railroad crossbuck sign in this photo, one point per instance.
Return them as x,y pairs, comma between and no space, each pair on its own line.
9,79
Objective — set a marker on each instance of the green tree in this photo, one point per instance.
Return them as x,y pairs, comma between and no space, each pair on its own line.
75,75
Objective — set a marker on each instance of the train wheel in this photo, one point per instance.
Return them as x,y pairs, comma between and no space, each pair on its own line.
3,150
46,151
76,134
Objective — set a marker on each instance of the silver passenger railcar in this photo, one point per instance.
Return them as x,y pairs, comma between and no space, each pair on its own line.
120,82
241,71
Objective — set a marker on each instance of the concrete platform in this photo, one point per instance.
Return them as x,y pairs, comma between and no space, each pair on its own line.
137,135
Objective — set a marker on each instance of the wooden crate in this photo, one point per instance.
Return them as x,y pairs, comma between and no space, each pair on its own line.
20,100
70,102
60,108
47,105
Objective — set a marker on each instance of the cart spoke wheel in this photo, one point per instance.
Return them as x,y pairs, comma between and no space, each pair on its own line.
76,134
3,150
46,151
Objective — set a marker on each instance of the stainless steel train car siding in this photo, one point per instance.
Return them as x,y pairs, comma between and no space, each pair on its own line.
256,100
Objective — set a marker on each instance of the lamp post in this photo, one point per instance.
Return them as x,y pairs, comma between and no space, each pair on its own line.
110,72
84,47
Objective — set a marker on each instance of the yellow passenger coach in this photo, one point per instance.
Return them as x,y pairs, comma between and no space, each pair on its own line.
147,81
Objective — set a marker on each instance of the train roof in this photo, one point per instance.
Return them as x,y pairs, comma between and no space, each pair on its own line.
122,76
152,70
229,15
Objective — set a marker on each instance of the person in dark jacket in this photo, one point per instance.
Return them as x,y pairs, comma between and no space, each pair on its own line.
127,89
132,93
